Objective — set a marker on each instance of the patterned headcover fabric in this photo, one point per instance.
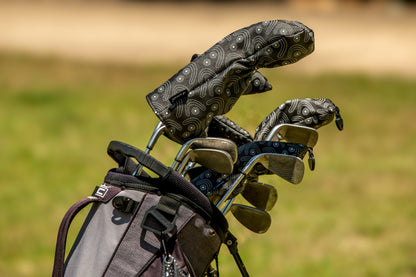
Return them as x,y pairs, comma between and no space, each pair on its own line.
212,82
258,84
308,112
223,127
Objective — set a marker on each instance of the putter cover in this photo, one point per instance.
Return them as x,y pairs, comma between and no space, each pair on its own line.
212,82
308,112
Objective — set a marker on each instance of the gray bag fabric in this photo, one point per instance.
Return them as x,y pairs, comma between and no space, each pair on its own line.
142,226
212,82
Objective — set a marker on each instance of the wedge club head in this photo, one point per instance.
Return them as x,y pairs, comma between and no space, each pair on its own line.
206,142
217,160
260,195
294,133
254,219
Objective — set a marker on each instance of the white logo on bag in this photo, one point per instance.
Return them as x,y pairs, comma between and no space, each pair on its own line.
102,191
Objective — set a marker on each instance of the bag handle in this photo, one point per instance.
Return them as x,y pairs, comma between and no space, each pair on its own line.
117,147
103,193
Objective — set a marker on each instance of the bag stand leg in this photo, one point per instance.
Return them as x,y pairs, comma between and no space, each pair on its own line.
231,243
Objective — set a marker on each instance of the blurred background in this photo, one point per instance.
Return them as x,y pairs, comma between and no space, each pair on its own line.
74,75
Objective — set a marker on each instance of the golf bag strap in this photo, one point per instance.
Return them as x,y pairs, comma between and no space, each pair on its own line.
103,194
231,243
164,214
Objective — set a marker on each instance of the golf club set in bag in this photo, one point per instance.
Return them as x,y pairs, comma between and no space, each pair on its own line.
150,219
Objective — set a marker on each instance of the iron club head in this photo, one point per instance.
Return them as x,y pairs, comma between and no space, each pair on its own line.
260,195
288,167
294,133
206,142
217,160
252,218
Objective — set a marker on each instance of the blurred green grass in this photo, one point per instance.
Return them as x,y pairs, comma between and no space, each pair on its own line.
353,216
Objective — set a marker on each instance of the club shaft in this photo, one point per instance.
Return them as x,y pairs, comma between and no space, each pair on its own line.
228,193
159,130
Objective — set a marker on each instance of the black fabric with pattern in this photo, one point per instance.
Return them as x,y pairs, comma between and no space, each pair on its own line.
212,82
258,83
223,127
309,112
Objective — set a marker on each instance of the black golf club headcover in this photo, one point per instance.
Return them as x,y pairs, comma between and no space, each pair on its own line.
223,127
212,82
258,83
310,112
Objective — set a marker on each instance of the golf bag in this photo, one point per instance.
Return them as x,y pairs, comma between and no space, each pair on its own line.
142,226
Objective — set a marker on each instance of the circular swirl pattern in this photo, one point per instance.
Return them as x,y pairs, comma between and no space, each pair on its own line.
225,72
311,112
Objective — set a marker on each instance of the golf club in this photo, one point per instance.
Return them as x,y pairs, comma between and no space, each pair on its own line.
206,142
252,218
290,168
157,132
260,195
294,133
217,160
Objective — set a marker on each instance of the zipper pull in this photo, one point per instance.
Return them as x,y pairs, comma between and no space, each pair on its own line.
170,267
311,160
338,119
